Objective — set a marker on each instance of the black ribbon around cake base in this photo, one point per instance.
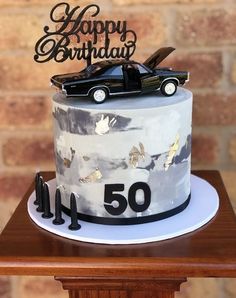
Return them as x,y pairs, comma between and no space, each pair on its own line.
131,220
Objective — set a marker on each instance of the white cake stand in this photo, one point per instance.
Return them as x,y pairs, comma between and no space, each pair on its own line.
202,208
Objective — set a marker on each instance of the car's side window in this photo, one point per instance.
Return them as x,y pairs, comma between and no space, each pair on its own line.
113,71
142,70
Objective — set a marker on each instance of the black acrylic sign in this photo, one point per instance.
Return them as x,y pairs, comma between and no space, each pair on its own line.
92,36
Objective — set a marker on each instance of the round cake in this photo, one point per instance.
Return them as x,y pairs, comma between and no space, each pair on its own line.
127,160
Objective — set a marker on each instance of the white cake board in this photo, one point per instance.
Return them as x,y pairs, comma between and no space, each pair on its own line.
202,208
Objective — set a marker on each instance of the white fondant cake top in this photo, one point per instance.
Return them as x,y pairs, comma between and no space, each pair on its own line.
126,103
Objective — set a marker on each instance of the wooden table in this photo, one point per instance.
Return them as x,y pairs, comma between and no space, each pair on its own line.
144,270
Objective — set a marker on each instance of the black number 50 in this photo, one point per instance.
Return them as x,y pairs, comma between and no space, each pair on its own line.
116,204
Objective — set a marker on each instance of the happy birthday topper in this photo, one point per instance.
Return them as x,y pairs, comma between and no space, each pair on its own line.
80,27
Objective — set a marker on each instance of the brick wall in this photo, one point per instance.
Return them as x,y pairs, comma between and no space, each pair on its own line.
204,33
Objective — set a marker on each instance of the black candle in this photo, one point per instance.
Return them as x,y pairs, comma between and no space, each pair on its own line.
73,207
46,202
37,176
40,194
58,213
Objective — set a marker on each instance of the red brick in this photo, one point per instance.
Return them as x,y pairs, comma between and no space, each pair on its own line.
205,69
24,112
36,152
229,178
140,21
21,72
214,109
135,21
14,186
206,27
29,29
233,71
5,287
204,149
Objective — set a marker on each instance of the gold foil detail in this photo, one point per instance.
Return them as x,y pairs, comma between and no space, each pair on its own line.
135,154
67,162
173,149
104,124
93,177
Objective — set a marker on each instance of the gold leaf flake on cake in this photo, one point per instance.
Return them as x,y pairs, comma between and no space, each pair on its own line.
135,154
67,161
142,152
104,124
93,177
173,149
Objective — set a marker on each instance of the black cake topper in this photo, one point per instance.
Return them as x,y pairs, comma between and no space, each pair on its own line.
92,36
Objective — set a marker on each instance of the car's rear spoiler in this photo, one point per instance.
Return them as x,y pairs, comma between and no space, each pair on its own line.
158,56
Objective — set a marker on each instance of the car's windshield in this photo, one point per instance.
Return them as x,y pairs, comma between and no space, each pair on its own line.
93,68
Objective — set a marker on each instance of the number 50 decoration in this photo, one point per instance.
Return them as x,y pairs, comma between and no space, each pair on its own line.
121,202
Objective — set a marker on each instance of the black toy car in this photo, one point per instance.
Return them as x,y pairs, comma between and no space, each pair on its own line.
121,77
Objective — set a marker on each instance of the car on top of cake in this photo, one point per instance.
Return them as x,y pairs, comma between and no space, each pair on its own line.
122,77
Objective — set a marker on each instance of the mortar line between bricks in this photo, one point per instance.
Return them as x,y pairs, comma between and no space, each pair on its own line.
12,170
222,148
29,169
180,6
226,137
227,80
218,91
27,134
32,93
214,128
39,9
15,286
170,15
1,154
24,129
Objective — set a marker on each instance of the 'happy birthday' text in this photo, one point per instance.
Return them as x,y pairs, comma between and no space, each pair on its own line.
81,27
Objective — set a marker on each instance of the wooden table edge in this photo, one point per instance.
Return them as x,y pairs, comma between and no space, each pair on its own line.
124,266
125,269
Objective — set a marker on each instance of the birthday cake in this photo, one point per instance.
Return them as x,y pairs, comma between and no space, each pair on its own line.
122,129
122,138
127,160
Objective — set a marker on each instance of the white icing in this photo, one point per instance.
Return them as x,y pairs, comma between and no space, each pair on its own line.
104,138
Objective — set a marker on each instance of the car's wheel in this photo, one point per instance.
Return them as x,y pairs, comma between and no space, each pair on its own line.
99,95
169,88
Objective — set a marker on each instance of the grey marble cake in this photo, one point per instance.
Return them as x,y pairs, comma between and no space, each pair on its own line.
127,160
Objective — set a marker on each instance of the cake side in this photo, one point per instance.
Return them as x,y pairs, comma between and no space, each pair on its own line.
124,159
